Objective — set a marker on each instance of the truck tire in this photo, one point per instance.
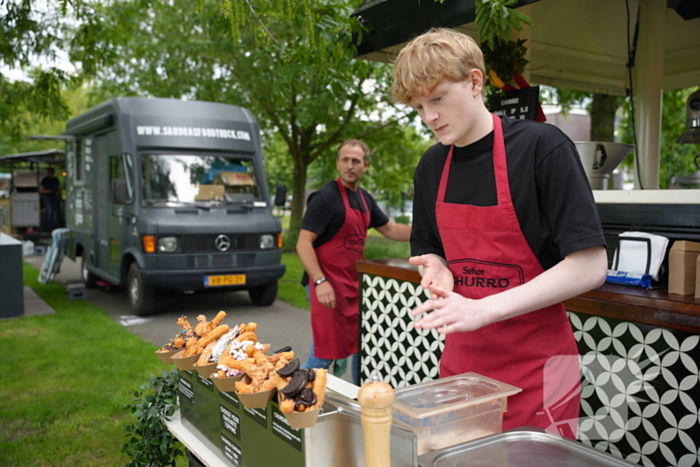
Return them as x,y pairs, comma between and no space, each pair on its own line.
89,279
141,296
264,295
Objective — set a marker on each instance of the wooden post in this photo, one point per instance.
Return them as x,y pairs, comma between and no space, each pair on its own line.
376,399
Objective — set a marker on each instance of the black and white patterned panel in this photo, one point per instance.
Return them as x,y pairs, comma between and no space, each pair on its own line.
390,346
640,392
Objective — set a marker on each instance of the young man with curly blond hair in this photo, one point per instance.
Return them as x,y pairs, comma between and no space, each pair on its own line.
505,228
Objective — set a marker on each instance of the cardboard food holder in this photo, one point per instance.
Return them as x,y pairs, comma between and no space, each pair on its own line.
227,384
205,370
186,363
256,400
166,356
299,420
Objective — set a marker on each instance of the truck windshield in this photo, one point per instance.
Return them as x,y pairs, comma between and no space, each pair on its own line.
179,179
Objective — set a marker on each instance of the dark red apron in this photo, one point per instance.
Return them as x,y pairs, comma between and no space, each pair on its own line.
487,254
335,329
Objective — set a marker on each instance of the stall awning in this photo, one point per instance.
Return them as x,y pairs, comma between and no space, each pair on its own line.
51,157
573,44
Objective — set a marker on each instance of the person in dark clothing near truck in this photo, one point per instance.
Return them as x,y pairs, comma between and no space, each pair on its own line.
50,191
331,241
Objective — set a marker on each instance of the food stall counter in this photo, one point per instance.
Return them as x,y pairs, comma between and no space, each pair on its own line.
645,340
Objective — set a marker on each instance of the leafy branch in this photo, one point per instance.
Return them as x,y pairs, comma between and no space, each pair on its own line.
150,442
495,20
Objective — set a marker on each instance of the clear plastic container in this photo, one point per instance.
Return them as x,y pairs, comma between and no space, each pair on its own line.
453,410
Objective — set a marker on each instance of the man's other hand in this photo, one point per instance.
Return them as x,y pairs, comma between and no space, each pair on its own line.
325,294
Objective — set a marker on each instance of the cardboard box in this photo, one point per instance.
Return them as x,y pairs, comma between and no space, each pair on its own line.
209,192
682,261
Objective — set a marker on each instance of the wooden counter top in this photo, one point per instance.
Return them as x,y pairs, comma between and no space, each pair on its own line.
651,307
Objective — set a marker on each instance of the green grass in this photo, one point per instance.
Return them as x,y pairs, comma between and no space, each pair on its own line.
382,247
290,288
65,379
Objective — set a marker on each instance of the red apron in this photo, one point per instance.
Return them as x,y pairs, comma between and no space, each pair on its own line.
487,254
335,330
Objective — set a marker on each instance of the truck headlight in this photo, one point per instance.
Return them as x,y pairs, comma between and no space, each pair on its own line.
267,242
167,244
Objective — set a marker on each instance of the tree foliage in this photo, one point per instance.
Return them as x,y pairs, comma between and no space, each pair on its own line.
676,160
28,36
292,63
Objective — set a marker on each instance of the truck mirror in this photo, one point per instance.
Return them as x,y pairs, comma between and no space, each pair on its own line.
118,191
280,195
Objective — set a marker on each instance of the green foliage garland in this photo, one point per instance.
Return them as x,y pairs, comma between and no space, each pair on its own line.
495,20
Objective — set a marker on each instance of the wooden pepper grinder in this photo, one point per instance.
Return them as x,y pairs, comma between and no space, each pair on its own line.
376,399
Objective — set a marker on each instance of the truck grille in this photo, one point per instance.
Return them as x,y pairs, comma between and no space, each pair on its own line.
221,260
205,243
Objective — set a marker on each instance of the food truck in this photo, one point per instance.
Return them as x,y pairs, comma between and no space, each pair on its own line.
171,194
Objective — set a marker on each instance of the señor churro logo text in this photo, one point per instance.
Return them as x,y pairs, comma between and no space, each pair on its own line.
485,275
474,278
354,242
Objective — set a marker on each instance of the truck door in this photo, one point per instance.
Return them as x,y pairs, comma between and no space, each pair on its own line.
108,225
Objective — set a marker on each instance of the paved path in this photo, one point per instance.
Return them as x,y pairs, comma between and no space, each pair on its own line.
279,325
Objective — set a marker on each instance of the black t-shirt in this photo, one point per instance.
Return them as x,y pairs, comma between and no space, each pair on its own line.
325,213
50,184
551,194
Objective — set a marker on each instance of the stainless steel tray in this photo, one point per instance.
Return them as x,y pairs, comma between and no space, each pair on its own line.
521,447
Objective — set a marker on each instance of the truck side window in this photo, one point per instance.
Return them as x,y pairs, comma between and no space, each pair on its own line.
128,167
116,171
74,159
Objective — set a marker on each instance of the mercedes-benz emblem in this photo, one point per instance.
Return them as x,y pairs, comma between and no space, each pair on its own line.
222,243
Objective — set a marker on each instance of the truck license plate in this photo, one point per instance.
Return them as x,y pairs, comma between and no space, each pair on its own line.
218,281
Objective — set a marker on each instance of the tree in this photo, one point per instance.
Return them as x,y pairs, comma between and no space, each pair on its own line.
290,62
76,102
32,33
676,159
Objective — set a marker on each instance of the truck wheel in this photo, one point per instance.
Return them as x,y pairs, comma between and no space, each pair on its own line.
141,296
89,279
264,295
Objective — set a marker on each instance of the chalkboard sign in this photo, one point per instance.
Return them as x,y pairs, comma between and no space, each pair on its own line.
519,103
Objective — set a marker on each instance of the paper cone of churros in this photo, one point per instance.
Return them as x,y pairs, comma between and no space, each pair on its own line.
186,346
165,355
183,363
260,383
301,393
254,400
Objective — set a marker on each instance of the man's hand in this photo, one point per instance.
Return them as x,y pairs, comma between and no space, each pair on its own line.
325,294
450,312
434,271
